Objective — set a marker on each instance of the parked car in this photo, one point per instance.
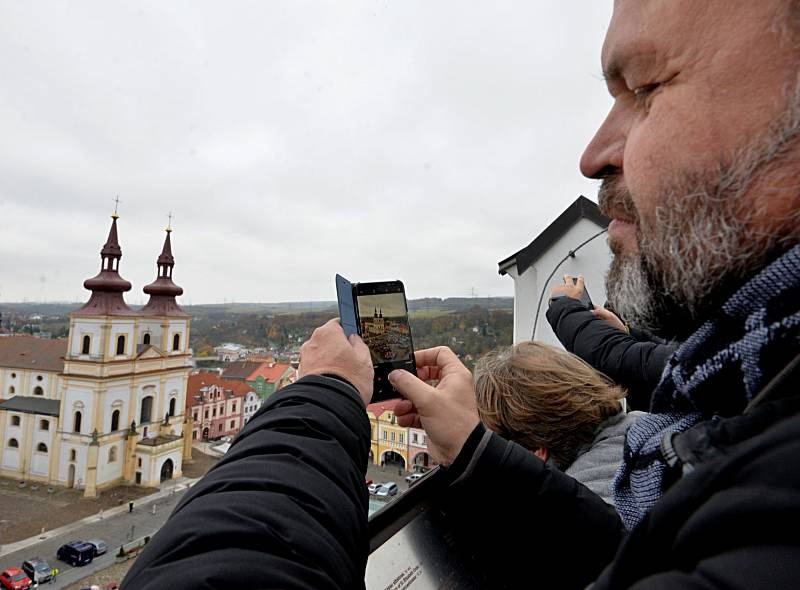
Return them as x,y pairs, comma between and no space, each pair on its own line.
37,569
76,553
388,489
99,545
374,487
414,478
15,579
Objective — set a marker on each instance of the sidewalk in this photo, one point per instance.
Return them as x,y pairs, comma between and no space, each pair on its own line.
167,489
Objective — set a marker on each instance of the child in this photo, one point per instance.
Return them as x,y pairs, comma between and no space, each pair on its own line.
557,406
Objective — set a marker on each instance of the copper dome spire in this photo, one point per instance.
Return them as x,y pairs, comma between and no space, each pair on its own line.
163,291
107,286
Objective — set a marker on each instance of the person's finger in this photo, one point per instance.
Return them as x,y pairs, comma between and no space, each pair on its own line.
568,279
441,357
410,421
580,284
411,387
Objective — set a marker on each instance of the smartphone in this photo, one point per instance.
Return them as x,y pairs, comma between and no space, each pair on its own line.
378,312
585,299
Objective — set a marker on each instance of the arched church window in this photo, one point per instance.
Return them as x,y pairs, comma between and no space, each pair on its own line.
176,342
11,390
76,422
112,454
146,338
87,343
38,390
44,425
121,345
41,447
72,455
12,443
172,406
114,420
147,409
15,420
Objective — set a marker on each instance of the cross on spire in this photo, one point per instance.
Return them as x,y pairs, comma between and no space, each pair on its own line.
116,206
169,223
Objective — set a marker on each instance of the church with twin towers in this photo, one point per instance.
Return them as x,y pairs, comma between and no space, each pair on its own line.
105,406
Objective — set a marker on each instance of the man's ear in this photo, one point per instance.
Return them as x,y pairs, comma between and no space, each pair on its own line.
542,453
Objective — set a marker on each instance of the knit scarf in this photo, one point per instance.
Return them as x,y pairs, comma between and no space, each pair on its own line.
716,372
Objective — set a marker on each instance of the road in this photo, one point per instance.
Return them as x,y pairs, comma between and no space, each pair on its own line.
115,530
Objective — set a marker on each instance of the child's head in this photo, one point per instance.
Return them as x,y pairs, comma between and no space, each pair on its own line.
543,397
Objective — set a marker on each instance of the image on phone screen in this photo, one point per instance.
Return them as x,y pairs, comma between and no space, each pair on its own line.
384,327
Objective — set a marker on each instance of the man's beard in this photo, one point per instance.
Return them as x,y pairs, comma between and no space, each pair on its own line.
702,243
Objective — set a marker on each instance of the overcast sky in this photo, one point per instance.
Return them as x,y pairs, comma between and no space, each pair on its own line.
395,139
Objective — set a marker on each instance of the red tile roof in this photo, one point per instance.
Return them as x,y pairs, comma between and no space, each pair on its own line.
28,352
271,372
198,381
379,408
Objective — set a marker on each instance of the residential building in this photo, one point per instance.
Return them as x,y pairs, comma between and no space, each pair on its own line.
252,402
264,378
216,405
572,244
104,406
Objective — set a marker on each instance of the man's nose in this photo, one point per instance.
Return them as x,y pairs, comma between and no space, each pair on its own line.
606,150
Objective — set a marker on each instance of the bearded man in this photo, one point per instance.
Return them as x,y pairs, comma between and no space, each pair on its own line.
699,159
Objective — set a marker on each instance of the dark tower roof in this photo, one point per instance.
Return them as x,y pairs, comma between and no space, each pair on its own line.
108,286
163,291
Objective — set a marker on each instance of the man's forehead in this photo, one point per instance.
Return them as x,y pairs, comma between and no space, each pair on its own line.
647,28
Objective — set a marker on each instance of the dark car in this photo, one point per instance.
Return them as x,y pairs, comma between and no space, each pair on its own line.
76,553
38,570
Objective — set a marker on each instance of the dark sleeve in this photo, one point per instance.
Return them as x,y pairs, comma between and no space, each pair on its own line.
285,508
513,516
635,365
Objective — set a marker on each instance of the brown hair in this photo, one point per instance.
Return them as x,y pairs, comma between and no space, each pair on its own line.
541,396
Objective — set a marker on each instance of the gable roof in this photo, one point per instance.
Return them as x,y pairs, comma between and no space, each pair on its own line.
379,408
241,370
581,208
271,372
28,352
198,381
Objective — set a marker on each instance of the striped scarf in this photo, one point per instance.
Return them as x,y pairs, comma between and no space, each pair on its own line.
716,372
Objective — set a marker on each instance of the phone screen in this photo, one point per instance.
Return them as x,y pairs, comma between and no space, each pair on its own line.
384,325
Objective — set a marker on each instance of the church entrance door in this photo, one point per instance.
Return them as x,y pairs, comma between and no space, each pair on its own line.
71,476
166,470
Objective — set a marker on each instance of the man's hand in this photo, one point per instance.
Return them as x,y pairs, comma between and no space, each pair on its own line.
570,289
329,352
448,411
604,314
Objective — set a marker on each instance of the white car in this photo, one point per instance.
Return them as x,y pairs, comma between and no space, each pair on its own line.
374,487
388,489
414,478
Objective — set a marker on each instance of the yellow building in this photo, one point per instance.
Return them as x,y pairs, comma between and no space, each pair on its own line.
392,444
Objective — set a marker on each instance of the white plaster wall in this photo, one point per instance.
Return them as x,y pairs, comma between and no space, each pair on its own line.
82,327
591,261
158,463
145,468
73,396
10,457
154,328
48,384
7,381
177,327
111,401
40,462
119,327
109,471
80,463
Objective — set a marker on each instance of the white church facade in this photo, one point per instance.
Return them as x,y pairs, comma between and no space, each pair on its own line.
105,406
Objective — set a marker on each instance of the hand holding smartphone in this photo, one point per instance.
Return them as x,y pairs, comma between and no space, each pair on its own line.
378,312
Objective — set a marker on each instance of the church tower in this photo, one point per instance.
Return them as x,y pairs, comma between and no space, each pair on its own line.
124,382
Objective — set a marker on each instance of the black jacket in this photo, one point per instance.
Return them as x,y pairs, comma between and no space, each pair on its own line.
728,521
285,508
634,364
